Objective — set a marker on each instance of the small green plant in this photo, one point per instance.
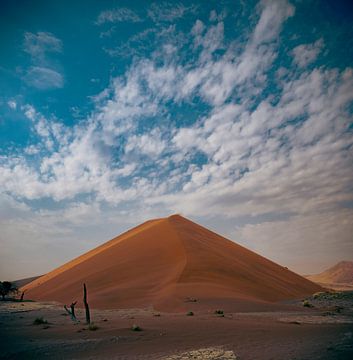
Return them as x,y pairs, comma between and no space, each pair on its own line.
135,328
93,327
190,313
318,295
306,303
39,321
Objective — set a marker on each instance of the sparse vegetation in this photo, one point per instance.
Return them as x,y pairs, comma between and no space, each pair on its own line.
306,303
219,313
6,288
93,327
39,321
135,328
189,313
318,295
332,295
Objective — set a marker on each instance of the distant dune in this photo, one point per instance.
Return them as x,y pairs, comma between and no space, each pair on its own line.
339,276
23,282
162,263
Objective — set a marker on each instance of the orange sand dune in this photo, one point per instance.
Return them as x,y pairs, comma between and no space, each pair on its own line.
341,273
161,263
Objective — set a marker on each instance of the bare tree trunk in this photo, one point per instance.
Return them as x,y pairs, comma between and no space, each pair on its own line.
88,318
72,312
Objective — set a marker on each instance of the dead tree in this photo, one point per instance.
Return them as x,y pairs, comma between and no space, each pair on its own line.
88,318
72,311
72,307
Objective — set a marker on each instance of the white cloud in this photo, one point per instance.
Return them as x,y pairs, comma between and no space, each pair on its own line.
234,139
214,16
217,79
149,144
126,170
273,14
169,11
41,43
300,167
47,128
306,54
231,137
44,73
44,78
117,15
32,150
198,28
12,104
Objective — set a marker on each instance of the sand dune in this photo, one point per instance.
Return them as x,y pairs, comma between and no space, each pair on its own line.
161,263
22,282
339,276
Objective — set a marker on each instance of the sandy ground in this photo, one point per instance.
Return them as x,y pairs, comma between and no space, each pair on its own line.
324,331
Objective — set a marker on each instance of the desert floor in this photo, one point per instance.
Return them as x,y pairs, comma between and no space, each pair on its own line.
324,331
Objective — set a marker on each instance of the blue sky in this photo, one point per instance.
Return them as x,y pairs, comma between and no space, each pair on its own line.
235,114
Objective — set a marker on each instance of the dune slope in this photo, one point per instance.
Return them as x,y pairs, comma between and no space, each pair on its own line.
161,263
22,282
341,273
